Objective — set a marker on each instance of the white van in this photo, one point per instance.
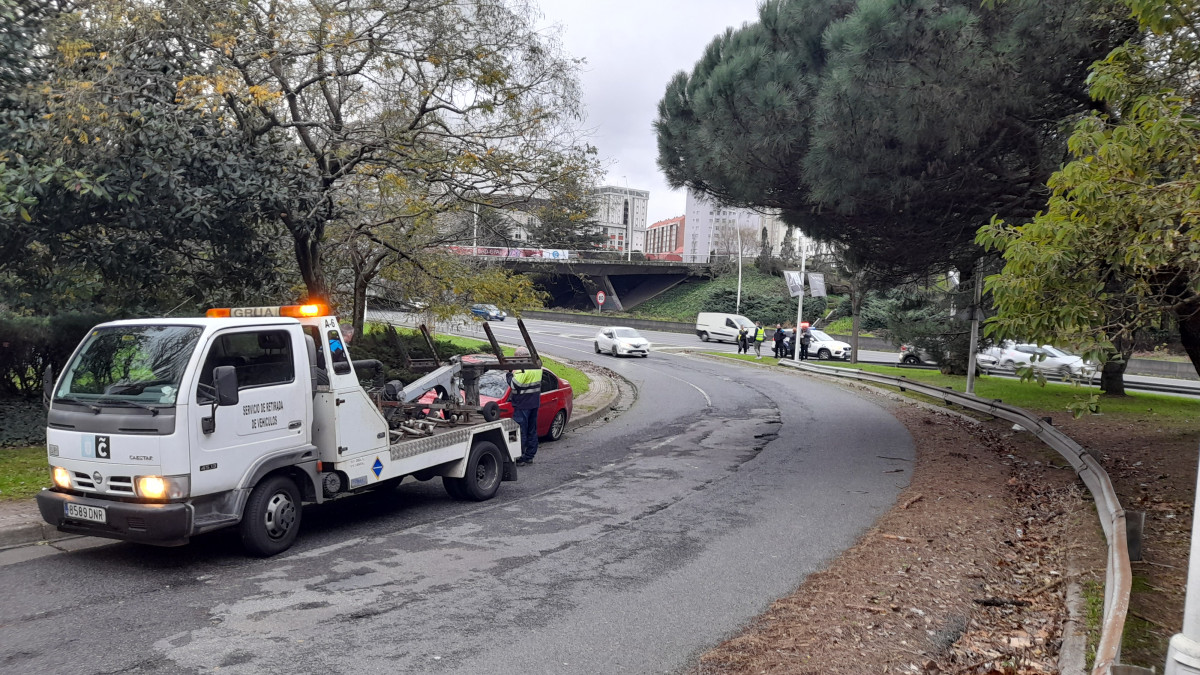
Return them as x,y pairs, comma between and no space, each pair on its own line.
721,327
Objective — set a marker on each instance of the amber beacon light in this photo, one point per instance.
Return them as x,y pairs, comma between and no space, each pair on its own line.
293,311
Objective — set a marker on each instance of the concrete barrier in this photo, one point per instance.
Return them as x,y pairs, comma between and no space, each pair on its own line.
612,320
1152,368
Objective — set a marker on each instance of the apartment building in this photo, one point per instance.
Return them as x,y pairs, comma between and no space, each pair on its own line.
666,236
621,212
718,232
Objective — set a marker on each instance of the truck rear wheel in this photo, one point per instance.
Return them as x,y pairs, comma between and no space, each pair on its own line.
485,468
271,519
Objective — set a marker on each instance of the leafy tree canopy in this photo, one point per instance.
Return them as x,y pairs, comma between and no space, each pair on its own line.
125,196
443,100
1118,245
895,127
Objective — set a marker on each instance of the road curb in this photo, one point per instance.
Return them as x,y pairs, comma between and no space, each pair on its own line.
28,532
612,392
1072,654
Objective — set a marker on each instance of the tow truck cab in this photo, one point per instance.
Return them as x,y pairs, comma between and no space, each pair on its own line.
162,429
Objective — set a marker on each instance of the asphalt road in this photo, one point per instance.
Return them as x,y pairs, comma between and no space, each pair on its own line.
630,546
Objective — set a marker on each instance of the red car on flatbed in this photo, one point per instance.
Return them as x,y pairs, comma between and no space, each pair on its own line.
554,411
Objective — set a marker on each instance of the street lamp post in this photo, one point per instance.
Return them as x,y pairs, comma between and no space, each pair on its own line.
799,305
739,255
628,223
1183,652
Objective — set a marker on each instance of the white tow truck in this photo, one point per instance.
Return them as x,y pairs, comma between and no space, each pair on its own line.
162,429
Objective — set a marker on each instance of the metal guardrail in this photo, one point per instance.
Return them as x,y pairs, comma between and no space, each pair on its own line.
1118,574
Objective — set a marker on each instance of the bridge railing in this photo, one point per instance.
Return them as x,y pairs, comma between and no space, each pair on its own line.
578,255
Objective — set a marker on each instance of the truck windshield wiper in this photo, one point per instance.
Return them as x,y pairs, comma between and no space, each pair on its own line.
72,399
120,401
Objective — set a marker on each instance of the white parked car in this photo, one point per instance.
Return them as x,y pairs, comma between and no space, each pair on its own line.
825,347
1056,361
620,341
822,346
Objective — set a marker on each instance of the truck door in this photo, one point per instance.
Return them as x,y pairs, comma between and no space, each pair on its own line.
272,411
358,425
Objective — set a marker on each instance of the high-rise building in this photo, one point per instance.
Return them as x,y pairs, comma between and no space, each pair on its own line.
715,231
621,213
666,236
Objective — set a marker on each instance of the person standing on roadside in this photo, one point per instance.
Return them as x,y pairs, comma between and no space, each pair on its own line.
525,397
760,336
805,339
743,345
778,338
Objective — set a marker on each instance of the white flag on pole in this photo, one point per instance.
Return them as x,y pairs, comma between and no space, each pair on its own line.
816,282
795,283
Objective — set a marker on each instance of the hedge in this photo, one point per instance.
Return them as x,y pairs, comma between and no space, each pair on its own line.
30,343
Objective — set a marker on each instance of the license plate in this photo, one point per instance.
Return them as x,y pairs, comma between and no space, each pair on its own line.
94,514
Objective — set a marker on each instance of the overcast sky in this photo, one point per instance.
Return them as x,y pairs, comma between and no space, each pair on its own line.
632,48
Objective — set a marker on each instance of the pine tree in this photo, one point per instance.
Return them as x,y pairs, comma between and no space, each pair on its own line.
896,127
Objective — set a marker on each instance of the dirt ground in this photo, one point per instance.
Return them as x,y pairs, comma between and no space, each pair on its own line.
967,574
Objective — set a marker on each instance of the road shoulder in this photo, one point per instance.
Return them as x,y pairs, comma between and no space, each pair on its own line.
961,575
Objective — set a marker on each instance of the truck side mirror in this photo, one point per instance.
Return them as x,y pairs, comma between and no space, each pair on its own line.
47,386
226,383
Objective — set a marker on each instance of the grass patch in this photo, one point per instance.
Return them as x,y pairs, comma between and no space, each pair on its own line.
683,302
843,326
746,357
1093,615
23,472
1052,396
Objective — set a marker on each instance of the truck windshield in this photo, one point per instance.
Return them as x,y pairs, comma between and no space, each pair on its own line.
137,366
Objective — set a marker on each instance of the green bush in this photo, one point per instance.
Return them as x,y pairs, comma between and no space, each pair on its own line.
30,343
22,422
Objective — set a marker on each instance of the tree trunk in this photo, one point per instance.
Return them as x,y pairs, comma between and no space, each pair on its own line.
308,259
366,267
856,300
1112,376
360,302
1189,333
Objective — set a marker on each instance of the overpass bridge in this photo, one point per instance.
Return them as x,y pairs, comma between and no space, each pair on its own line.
626,283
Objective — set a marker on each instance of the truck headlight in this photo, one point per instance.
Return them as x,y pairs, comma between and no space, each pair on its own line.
62,477
163,487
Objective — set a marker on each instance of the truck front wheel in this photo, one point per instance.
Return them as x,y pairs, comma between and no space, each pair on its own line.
271,519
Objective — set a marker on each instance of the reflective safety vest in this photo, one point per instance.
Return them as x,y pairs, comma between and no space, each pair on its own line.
526,389
760,335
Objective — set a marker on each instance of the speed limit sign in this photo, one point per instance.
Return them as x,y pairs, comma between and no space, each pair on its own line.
600,298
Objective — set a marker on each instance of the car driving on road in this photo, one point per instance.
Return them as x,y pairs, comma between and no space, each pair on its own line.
488,312
621,341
